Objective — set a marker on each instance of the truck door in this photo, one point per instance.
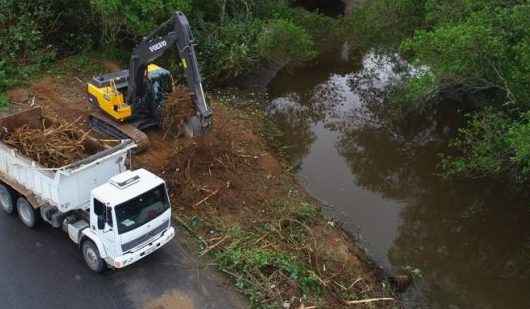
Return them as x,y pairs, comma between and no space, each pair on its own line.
107,234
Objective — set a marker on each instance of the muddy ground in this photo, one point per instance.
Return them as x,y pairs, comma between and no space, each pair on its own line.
241,206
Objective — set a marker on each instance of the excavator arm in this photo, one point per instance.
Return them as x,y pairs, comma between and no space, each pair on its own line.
175,32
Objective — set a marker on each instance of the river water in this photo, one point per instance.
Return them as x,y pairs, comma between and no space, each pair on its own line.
470,241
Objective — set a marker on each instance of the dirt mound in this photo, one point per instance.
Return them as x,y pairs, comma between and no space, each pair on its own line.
54,145
213,167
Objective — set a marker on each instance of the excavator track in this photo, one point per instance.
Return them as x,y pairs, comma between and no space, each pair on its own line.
101,123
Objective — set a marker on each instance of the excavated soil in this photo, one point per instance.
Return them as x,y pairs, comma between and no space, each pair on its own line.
59,98
230,178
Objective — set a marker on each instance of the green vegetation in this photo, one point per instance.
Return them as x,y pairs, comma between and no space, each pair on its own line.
234,36
484,142
253,268
267,261
478,49
282,254
474,49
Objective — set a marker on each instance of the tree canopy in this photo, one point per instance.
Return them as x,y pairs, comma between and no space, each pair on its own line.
478,48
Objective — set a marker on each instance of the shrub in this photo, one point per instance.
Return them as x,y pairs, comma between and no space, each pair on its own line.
283,41
482,147
471,48
4,102
122,19
484,51
383,23
233,36
229,50
519,140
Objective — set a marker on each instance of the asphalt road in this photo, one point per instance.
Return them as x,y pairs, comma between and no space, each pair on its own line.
42,268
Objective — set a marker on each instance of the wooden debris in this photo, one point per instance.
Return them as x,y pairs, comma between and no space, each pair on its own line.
54,145
205,199
213,246
369,300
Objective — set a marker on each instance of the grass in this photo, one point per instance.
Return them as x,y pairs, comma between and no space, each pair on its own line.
260,258
4,101
82,65
255,271
274,137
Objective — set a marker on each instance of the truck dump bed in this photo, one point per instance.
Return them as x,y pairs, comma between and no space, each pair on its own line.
67,187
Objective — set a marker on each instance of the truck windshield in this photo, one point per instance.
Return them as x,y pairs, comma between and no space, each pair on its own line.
141,209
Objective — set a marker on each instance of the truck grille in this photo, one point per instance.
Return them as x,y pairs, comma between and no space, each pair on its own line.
140,240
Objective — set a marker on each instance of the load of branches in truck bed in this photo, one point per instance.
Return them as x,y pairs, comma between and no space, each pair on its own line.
56,144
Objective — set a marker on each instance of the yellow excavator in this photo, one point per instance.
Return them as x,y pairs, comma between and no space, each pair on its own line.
132,100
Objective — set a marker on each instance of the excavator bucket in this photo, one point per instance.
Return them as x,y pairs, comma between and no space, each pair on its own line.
193,127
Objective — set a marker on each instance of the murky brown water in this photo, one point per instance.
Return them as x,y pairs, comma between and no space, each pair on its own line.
471,240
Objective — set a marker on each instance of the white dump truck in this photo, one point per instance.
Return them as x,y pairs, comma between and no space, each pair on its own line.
116,216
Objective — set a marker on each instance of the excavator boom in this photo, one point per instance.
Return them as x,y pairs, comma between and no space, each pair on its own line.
175,32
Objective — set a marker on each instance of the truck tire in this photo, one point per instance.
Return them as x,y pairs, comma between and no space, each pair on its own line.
6,200
91,256
26,213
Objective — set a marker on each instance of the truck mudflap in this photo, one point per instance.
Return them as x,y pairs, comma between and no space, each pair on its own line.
132,257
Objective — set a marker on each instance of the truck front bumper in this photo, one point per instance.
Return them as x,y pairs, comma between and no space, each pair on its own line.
132,257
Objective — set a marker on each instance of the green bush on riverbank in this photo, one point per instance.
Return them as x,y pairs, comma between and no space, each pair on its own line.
478,50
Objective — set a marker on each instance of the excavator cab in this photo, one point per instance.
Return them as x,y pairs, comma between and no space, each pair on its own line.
108,92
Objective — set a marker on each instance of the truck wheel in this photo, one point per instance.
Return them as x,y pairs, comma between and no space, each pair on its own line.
26,213
6,200
92,257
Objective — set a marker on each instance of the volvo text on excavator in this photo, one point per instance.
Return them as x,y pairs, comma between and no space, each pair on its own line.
132,100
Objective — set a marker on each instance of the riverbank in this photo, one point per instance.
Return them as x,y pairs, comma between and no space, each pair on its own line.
240,203
383,184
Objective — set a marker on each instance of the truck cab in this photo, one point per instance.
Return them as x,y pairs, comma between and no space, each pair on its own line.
130,217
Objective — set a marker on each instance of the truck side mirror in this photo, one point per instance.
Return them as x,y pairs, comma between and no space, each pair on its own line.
101,222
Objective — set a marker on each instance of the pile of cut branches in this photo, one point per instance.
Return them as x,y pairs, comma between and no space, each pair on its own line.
54,145
178,107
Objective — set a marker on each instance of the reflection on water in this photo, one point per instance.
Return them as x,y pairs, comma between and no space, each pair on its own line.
470,240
